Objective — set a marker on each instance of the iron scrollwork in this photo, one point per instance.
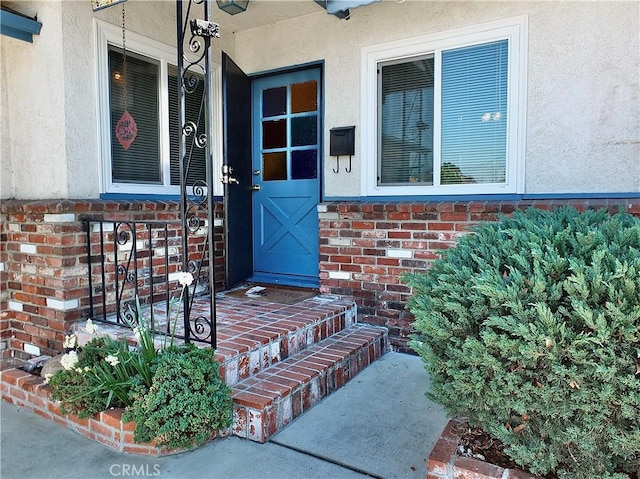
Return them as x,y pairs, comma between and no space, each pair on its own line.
127,270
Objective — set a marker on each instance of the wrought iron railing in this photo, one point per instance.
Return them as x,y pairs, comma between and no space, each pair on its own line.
137,263
131,259
195,31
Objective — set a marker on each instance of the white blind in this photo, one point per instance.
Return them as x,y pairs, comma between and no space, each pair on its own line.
141,162
474,114
406,122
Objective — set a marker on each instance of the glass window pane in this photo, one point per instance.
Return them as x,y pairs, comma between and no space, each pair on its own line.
274,134
304,164
406,122
304,130
274,166
274,101
474,114
197,165
304,97
140,163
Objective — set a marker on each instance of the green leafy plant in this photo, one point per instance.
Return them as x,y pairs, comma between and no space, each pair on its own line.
186,402
102,373
74,387
174,394
530,327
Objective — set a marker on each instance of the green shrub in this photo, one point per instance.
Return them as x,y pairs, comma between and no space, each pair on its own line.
174,394
77,388
530,327
186,402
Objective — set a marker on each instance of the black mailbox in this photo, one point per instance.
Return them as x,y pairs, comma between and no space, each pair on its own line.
342,141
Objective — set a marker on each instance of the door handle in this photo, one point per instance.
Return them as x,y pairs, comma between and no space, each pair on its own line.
255,187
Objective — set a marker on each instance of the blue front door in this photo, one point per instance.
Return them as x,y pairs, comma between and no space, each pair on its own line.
286,185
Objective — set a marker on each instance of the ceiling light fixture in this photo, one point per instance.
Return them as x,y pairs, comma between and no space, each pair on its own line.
232,7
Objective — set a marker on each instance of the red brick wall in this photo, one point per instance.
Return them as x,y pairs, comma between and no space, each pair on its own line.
365,247
5,314
45,280
31,393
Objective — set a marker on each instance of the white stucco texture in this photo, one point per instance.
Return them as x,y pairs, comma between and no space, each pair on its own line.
35,114
582,123
583,109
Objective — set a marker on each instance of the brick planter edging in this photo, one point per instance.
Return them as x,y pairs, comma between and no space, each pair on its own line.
445,463
31,393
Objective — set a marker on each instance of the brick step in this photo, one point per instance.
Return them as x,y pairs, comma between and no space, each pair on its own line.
268,401
261,335
254,335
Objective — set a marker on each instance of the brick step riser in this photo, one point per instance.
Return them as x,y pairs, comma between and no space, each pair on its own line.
258,423
258,358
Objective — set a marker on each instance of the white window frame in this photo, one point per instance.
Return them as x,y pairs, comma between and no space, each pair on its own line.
108,34
512,29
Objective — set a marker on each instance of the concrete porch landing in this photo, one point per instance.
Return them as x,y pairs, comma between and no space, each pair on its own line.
281,359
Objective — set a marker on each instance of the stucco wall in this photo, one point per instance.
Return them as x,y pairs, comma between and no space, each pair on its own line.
35,115
5,132
583,116
583,101
49,107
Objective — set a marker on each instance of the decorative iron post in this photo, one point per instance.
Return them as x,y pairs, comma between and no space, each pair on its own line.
196,194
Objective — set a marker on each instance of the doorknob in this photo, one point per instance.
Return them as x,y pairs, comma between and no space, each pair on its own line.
255,187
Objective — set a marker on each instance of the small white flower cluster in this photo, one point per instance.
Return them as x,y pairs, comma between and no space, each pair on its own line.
113,360
90,327
185,279
69,360
70,342
47,378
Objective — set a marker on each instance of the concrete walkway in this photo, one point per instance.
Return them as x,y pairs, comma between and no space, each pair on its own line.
378,425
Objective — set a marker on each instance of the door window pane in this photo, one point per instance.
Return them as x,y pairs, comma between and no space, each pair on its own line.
406,122
274,166
274,134
140,163
274,101
304,97
304,164
304,130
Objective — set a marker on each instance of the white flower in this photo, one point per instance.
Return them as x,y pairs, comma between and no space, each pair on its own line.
185,278
69,360
47,378
90,327
70,341
113,360
137,332
79,370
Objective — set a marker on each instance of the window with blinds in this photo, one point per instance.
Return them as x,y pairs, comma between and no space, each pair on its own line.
142,162
406,121
471,120
474,114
